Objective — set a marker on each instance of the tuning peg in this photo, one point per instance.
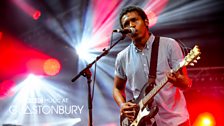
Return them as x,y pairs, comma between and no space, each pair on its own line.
191,64
198,57
195,61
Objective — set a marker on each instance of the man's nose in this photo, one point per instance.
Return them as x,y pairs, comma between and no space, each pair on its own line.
132,24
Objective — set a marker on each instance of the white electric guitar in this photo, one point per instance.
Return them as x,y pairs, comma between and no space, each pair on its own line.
143,99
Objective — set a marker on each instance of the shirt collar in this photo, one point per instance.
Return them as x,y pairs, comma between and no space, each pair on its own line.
148,43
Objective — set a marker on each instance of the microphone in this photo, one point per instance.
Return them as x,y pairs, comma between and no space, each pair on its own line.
126,30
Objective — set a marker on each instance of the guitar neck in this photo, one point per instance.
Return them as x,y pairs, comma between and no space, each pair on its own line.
157,87
192,56
153,92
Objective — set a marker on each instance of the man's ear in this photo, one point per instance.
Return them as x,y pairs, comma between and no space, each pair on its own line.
146,22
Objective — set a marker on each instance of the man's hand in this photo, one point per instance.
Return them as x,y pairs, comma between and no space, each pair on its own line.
130,110
179,80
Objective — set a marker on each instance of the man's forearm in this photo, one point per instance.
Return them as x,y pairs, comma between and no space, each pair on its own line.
119,96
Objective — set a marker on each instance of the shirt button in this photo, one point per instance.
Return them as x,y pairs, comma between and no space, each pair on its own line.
144,64
143,54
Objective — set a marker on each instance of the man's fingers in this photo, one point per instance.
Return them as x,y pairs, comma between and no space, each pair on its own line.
130,115
130,110
131,104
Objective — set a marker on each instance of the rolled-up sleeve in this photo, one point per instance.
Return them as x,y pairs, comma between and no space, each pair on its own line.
176,55
119,67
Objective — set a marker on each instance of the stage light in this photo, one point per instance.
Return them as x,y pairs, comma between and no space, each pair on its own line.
51,67
28,9
35,66
30,84
44,103
36,15
152,18
205,119
83,51
5,88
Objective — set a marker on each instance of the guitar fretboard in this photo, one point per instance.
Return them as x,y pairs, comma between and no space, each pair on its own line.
193,55
153,92
158,86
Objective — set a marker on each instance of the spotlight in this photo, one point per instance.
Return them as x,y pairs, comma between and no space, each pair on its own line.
51,67
5,88
36,15
83,52
152,18
205,119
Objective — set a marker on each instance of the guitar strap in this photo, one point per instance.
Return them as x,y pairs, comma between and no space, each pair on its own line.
153,62
151,78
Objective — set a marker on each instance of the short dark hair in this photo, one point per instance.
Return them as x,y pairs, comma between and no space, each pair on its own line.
139,10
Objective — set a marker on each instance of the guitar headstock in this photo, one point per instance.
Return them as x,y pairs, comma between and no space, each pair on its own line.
191,57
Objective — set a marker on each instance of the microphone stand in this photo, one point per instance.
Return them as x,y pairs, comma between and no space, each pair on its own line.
87,73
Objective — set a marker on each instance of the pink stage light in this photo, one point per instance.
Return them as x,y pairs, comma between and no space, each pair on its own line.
6,88
103,20
36,15
18,60
31,11
153,8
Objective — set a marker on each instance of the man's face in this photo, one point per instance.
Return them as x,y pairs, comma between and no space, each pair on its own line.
133,19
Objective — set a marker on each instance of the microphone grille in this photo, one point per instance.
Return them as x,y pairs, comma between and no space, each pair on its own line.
132,30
